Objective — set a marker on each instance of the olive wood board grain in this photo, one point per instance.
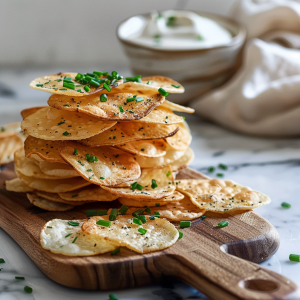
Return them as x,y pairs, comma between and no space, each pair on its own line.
219,262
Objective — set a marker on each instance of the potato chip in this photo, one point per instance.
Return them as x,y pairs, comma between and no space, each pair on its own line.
29,111
160,233
53,186
176,196
116,107
154,162
176,211
150,84
60,237
152,184
183,161
29,167
54,84
57,169
52,124
176,107
161,115
221,195
125,132
147,148
8,146
101,165
17,185
56,198
47,204
46,150
10,129
181,139
91,192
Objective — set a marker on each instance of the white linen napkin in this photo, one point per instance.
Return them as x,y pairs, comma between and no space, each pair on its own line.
263,97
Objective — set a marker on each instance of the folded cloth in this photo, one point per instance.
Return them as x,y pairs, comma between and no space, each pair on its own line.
263,97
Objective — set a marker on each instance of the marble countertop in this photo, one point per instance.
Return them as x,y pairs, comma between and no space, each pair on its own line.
271,166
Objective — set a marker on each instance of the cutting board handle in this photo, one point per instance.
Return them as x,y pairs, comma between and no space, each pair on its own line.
219,276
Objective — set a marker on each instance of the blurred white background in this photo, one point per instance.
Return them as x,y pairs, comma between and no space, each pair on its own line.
36,33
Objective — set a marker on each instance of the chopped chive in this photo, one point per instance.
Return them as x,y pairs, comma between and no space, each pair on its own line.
220,175
131,111
2,261
113,214
142,218
148,210
180,234
135,185
79,85
130,99
39,84
116,251
142,231
19,278
184,224
91,158
94,212
142,149
94,83
138,212
157,204
86,88
121,109
89,170
63,89
123,209
152,217
79,91
78,76
137,78
103,97
76,237
203,217
139,99
102,178
223,224
75,151
98,73
175,86
2,129
286,205
163,92
211,169
68,235
49,227
183,117
28,289
222,166
113,297
294,257
69,85
68,78
106,87
169,173
137,221
66,133
149,82
67,105
73,223
59,80
74,196
154,184
103,223
156,214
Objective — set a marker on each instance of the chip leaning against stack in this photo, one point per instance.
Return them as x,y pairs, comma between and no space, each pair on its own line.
104,138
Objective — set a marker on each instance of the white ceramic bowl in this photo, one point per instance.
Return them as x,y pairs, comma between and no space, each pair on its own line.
197,70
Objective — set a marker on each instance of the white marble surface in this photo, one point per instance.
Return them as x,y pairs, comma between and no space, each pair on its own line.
271,166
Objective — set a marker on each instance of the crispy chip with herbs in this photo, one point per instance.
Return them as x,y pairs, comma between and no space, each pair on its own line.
220,196
105,166
17,185
154,235
29,111
8,146
181,139
47,204
176,107
116,107
125,132
67,84
152,184
10,129
161,115
52,124
60,237
91,193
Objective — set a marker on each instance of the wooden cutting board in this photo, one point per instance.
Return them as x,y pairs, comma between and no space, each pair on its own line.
201,258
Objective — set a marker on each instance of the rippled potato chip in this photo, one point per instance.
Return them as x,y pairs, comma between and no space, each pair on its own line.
8,146
60,237
221,195
147,148
56,198
150,84
184,161
160,233
52,124
47,204
152,184
176,107
17,185
29,111
125,132
176,211
161,115
91,193
115,107
181,139
10,129
57,169
105,166
53,186
54,84
46,150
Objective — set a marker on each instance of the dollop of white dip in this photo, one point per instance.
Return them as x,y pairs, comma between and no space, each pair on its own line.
174,30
